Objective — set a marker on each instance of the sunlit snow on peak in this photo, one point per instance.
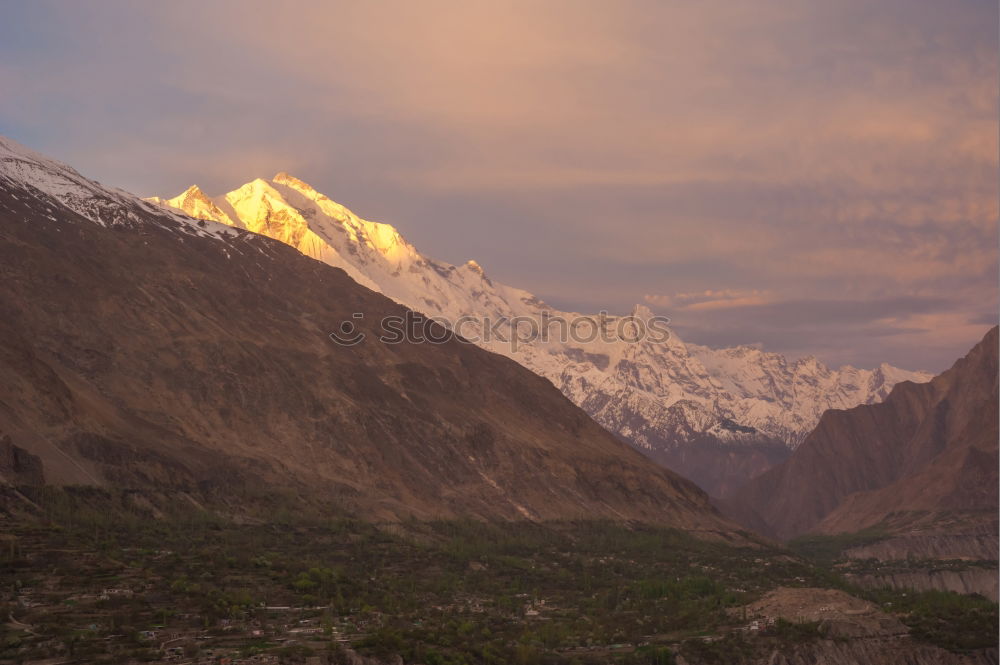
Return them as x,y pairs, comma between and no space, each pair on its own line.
630,388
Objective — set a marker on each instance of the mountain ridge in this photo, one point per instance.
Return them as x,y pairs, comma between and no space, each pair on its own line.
143,348
693,408
926,454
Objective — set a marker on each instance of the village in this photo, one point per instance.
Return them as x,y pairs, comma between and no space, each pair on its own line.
262,635
64,620
106,587
266,634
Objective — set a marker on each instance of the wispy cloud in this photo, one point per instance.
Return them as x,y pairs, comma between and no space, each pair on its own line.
709,299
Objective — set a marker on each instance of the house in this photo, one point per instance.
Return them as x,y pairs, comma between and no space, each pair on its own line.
116,593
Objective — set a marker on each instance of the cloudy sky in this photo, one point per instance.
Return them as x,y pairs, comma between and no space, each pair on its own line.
815,177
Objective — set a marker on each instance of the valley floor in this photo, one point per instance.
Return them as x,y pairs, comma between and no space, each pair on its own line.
91,581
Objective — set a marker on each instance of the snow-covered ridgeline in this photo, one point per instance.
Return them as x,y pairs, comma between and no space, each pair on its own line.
652,394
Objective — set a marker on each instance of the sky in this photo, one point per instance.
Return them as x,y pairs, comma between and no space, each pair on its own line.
811,177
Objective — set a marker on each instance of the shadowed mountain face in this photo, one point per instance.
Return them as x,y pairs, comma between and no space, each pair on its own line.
926,459
141,348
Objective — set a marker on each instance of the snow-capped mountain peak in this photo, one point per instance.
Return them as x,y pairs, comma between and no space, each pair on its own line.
658,394
617,382
194,202
49,179
677,402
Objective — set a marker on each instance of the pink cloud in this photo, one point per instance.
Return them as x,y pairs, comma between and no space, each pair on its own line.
709,299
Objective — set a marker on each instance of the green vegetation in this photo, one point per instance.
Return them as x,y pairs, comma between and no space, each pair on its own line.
96,576
788,632
100,581
949,620
730,649
945,619
825,550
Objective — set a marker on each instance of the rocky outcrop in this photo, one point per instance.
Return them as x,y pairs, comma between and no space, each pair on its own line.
927,449
978,580
18,466
839,614
856,632
968,546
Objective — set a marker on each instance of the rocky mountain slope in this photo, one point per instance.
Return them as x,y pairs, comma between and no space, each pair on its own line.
974,579
855,632
921,463
141,348
718,417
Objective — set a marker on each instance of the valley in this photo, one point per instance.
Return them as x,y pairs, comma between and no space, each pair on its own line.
564,332
109,577
193,471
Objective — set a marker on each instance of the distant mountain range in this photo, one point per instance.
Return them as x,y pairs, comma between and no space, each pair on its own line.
717,416
921,466
147,350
